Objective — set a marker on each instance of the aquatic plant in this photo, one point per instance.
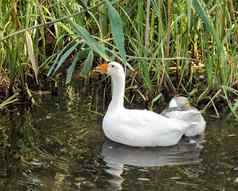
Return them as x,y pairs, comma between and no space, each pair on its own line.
184,47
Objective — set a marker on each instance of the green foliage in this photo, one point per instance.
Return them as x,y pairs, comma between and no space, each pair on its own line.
91,42
172,45
117,30
87,66
64,54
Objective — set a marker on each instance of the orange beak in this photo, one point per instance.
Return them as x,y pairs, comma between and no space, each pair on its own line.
102,68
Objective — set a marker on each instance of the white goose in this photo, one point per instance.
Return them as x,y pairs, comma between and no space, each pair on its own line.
180,108
139,128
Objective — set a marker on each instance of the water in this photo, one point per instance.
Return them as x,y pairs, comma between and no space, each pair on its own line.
59,145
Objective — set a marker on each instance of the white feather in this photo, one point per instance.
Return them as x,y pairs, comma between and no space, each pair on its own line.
140,128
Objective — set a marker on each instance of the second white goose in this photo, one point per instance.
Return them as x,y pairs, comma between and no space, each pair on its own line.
180,108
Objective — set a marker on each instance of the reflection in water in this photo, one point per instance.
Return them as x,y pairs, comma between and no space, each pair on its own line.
116,156
44,148
115,169
57,146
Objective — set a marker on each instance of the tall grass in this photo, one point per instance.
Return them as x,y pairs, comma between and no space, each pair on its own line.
184,47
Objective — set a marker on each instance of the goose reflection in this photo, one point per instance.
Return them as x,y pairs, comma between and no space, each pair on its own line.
116,156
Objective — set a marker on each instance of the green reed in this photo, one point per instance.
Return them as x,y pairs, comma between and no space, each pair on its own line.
184,47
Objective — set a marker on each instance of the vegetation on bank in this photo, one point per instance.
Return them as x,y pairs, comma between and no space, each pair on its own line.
184,47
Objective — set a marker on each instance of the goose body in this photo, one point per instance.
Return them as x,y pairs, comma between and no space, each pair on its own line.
180,108
139,128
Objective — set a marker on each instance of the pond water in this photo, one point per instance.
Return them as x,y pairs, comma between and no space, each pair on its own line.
59,146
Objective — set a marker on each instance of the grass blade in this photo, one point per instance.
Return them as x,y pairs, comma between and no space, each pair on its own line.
71,69
57,58
91,42
117,30
62,59
65,56
32,58
87,65
201,13
80,55
9,101
145,71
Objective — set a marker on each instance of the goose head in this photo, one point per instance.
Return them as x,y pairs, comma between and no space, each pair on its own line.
111,69
179,102
117,74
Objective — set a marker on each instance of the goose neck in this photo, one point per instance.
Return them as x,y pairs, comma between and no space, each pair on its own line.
118,92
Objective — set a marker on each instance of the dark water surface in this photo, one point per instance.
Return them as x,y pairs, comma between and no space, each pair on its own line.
59,146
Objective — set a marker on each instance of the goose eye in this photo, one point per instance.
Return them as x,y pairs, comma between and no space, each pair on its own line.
112,66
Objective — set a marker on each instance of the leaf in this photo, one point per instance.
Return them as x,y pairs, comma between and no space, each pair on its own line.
71,69
65,56
9,100
201,13
80,55
87,65
155,99
30,50
61,59
235,105
91,42
209,25
233,108
146,74
189,14
57,58
117,30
